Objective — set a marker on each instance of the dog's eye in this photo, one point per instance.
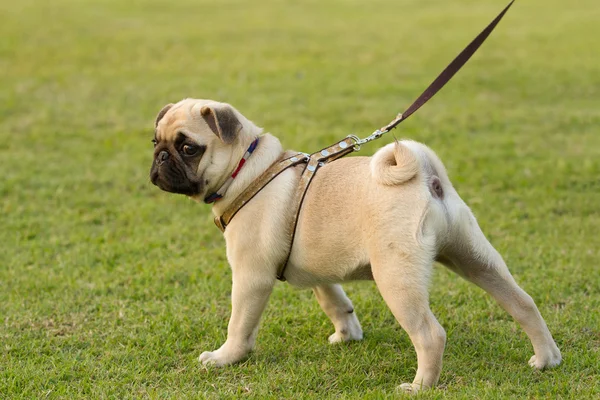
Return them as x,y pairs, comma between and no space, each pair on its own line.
154,142
189,150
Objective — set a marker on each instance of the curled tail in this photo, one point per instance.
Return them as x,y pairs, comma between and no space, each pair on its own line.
394,164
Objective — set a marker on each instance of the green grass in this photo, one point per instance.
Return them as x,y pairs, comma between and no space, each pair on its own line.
110,288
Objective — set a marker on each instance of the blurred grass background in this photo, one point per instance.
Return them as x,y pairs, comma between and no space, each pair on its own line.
112,288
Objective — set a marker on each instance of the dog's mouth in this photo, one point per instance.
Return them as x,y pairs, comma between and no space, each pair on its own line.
174,180
154,176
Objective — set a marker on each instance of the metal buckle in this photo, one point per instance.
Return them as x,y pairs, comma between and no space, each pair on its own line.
375,135
357,141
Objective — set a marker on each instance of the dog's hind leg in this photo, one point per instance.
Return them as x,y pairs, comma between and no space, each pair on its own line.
472,256
340,311
402,281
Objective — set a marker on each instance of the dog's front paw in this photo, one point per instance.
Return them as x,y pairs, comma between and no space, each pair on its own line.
217,358
548,358
409,388
548,361
211,358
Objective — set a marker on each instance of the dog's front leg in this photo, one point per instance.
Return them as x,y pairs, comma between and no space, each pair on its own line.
249,296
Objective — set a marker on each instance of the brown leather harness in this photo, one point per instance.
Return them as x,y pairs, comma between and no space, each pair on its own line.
342,148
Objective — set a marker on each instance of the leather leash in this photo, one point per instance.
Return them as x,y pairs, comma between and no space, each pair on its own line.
348,145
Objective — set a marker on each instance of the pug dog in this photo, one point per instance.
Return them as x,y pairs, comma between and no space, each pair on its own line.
385,218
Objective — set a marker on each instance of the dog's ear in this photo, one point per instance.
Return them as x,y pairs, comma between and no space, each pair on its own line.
222,120
162,113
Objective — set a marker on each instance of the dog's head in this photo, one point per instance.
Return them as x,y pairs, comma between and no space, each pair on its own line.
195,143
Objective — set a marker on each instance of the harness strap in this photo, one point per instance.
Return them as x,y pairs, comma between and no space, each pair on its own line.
330,153
315,161
256,186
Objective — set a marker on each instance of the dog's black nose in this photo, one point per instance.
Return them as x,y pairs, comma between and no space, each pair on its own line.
162,157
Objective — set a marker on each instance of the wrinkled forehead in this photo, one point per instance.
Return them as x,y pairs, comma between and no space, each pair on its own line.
180,118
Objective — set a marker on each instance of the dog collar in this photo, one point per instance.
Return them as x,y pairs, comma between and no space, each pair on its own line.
221,192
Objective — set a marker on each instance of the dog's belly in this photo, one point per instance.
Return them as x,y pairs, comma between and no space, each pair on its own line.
331,258
362,273
321,273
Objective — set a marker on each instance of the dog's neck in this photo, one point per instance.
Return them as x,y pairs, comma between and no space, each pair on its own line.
267,152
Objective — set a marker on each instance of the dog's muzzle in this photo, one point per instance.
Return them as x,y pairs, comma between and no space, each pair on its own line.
171,176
